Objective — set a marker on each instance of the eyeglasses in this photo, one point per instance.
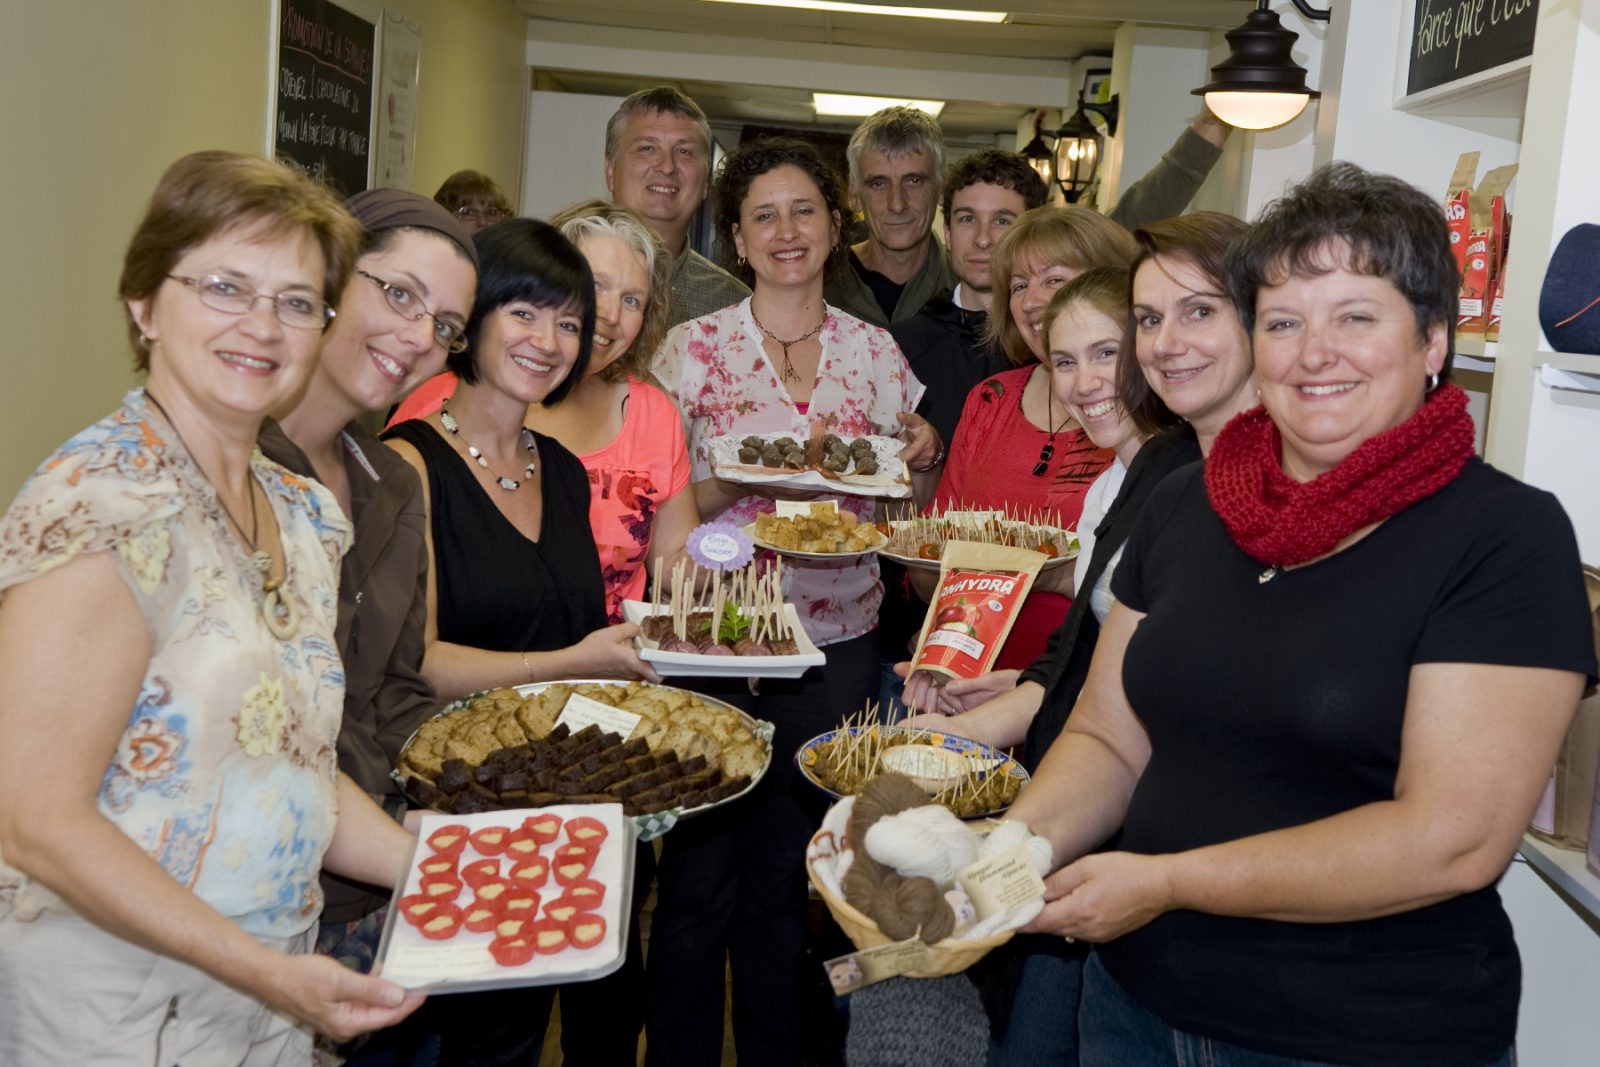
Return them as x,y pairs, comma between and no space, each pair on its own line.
486,215
293,309
447,334
1046,454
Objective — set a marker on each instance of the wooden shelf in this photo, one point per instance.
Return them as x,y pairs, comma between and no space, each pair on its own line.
1567,870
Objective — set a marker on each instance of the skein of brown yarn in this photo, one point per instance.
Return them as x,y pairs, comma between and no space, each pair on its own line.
900,906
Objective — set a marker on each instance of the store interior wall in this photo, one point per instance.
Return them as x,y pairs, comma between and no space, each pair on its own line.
101,97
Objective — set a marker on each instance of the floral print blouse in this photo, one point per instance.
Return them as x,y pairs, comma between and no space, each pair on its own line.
718,374
225,773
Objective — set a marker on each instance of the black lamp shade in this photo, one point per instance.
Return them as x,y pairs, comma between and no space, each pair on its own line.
1260,60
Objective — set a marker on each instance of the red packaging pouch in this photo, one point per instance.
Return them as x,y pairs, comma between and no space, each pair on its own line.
981,589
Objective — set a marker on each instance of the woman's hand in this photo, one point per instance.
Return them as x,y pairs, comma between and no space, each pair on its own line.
333,999
609,653
923,447
957,694
1103,896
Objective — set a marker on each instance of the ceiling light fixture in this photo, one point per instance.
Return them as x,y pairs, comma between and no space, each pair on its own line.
859,107
1259,85
843,8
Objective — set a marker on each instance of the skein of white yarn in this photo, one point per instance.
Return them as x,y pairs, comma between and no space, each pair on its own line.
1014,832
927,842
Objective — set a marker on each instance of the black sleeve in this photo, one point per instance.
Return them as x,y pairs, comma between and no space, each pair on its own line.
1516,596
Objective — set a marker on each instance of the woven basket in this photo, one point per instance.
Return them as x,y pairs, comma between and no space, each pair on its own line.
950,956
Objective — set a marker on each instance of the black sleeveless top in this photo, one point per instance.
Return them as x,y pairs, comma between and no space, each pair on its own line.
498,590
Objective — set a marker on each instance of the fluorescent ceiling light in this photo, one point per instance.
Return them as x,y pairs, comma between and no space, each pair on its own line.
859,107
842,7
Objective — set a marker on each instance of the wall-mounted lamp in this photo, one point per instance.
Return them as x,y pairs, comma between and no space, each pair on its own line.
1077,154
1259,85
1037,153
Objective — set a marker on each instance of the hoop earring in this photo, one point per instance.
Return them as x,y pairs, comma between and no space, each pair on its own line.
1433,382
741,262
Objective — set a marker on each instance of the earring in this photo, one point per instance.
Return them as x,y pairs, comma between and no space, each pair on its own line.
1433,382
741,262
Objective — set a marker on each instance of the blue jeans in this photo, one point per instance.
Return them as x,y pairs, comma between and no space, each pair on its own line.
1114,1030
1042,1030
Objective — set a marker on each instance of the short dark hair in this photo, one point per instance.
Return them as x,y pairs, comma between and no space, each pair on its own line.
528,260
208,193
1386,227
467,187
751,160
1200,239
662,99
991,166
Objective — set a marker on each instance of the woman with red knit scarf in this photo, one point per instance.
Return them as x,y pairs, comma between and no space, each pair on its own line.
1342,658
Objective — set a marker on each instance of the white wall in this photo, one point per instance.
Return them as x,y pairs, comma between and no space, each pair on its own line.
565,150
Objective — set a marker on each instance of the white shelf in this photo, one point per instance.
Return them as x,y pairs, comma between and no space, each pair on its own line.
1499,92
1567,871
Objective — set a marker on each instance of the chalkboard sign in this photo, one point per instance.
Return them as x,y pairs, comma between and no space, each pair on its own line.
1451,39
323,117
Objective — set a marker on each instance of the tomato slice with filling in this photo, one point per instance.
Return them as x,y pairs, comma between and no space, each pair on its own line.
439,863
549,936
586,930
522,844
415,906
441,887
491,840
562,909
449,840
511,951
587,892
481,917
511,926
480,871
443,923
543,828
586,831
530,873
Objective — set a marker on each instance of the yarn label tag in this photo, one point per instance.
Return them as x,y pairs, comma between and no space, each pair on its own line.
580,711
801,509
1001,882
869,965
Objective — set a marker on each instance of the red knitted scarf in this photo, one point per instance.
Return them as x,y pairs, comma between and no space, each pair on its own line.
1282,522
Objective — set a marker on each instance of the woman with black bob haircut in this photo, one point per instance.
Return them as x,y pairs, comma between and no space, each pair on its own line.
1317,799
515,590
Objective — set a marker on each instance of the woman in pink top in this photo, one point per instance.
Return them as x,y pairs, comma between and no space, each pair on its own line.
1015,446
627,433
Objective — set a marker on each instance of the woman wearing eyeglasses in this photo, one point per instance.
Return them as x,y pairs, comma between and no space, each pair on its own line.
1016,447
404,307
170,691
474,199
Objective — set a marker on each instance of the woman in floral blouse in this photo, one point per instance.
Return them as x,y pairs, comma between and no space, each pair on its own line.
170,687
780,361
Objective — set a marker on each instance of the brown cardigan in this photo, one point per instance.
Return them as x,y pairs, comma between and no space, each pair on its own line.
383,588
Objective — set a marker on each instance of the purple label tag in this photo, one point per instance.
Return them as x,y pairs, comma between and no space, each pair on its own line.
720,546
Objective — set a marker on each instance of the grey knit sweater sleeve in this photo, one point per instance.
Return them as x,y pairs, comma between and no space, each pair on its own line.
1171,183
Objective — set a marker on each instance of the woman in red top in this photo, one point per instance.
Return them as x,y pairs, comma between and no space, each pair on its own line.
1015,447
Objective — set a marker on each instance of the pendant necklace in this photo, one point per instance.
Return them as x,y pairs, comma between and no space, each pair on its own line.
278,613
453,428
1048,452
789,373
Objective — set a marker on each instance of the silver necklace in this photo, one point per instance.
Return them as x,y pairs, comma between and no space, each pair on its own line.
453,428
278,613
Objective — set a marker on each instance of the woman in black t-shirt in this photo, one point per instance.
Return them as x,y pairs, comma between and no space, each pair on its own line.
1331,690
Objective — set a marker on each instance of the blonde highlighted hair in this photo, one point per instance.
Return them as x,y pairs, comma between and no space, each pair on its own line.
603,218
